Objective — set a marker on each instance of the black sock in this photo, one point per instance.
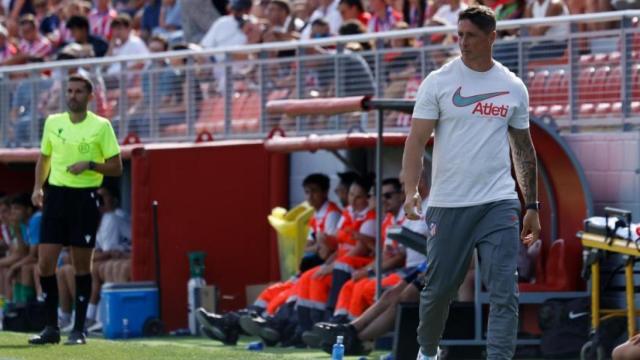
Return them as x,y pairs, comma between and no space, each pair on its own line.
50,293
83,292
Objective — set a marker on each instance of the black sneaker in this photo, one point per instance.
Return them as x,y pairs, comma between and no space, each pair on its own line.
215,327
76,338
312,339
50,335
252,324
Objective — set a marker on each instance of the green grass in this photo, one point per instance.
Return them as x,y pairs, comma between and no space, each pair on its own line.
13,346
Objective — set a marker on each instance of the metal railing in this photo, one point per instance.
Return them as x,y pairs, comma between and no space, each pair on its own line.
580,80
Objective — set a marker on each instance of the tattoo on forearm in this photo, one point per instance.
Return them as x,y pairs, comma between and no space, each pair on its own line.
525,163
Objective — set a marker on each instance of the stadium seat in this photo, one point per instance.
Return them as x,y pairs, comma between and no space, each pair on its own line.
596,90
586,110
537,82
611,89
584,84
559,111
557,89
556,276
540,110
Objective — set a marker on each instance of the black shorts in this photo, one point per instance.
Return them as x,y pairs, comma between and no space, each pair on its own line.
70,216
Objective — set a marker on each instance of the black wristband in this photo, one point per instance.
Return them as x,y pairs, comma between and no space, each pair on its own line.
533,206
92,165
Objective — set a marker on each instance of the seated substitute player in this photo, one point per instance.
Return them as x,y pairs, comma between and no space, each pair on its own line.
226,328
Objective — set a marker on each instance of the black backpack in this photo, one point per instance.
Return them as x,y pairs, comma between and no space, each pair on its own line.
565,325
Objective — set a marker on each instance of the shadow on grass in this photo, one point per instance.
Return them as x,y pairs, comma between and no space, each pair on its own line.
23,346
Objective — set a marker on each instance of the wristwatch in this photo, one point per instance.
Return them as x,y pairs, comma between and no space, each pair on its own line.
92,165
533,206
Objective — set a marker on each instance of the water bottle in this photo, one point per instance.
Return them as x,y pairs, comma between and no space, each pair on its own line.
255,346
125,328
338,349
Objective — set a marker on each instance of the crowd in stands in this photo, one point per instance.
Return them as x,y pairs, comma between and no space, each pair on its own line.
19,239
48,30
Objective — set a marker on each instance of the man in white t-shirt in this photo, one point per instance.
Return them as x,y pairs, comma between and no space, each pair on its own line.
124,43
477,108
450,11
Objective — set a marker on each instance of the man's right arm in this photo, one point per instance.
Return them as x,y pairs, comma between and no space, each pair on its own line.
43,166
419,134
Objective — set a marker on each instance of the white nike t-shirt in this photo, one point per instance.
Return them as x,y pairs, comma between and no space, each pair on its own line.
471,163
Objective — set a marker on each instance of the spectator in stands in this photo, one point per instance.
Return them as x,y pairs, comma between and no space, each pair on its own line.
113,244
124,42
32,44
327,10
506,9
25,109
101,17
353,10
320,29
158,101
7,49
449,11
170,20
282,26
539,9
630,350
384,17
19,8
25,272
300,9
237,28
150,18
48,21
355,27
79,28
414,12
17,226
197,18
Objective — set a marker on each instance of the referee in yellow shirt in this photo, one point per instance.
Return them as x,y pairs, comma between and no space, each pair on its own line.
78,148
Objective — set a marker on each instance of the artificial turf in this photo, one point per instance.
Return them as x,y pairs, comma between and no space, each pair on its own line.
14,346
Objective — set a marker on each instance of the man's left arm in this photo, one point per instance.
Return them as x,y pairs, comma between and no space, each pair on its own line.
526,169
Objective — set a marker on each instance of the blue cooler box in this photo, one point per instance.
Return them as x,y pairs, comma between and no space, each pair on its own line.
125,308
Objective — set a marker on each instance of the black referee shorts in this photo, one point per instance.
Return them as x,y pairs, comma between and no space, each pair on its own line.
70,216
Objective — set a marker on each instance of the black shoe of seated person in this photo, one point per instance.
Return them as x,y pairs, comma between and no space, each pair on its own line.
217,327
50,335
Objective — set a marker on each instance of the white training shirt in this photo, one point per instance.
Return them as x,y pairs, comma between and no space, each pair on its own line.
471,163
114,233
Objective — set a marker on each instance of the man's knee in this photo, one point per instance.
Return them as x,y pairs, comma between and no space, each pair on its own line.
410,294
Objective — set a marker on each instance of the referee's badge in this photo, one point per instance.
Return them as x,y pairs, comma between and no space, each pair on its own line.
83,148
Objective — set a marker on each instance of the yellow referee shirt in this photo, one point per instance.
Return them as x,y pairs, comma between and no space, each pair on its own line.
92,139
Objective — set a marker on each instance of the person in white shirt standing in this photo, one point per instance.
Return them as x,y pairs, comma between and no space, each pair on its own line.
477,108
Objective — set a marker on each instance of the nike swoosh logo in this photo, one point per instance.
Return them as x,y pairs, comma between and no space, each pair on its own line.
573,315
462,101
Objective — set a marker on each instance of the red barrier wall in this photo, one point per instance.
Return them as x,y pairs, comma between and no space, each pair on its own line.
213,198
16,178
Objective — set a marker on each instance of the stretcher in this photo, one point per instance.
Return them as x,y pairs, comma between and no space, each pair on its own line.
614,233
